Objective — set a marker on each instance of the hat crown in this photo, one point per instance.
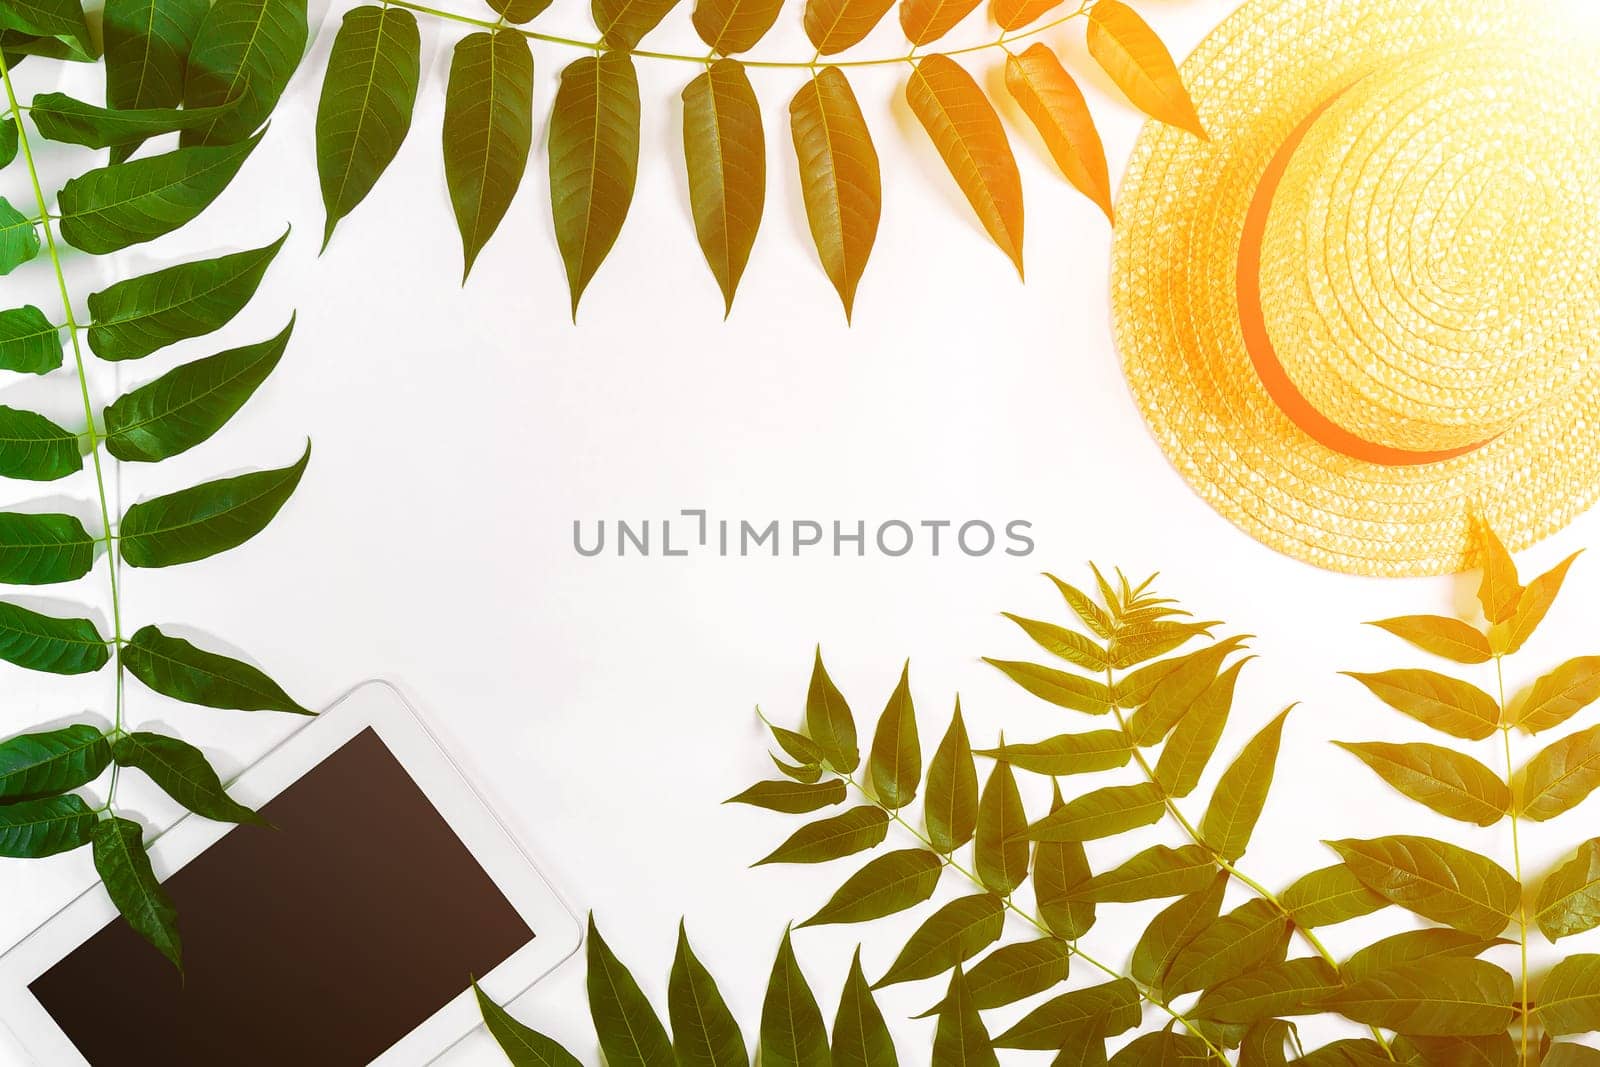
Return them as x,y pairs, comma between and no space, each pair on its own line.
1429,244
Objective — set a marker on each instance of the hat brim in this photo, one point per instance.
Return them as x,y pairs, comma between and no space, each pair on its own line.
1174,295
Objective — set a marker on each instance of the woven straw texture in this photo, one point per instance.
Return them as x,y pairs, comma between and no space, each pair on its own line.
1429,276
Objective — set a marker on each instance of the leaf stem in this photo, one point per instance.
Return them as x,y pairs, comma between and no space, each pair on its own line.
769,64
113,554
1516,853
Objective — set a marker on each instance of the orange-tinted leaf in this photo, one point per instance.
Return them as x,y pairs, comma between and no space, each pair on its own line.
1569,999
1441,635
1559,695
1452,784
1129,51
1415,946
967,133
1447,996
1437,700
1562,776
1569,900
1435,879
1014,14
623,23
726,154
839,177
834,25
731,26
1500,588
1050,98
1532,605
925,21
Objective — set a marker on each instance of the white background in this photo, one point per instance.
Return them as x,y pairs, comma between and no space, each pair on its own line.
605,705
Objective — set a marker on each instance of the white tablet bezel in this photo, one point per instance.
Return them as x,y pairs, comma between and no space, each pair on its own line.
372,704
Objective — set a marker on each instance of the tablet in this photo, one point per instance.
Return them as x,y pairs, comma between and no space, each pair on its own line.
343,934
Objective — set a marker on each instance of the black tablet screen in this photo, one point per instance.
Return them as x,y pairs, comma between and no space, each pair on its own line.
320,941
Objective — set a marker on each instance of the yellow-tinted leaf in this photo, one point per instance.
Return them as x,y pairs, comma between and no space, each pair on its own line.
1437,880
1256,932
1054,104
726,155
838,176
857,830
1499,590
1175,692
594,161
1060,641
1059,869
1096,750
1569,900
1415,946
953,934
1559,695
1567,1054
1173,928
1060,688
1091,613
1532,605
1330,896
1569,998
1437,700
891,883
895,763
925,21
1140,642
1113,1006
951,805
1102,813
1158,871
965,129
1194,739
1001,849
1561,777
623,23
1452,784
1441,635
1129,51
1014,14
829,721
732,26
1447,996
1242,792
834,25
1293,987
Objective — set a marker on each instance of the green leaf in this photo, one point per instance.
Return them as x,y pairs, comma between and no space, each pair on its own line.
1241,793
245,50
147,45
856,830
1060,641
523,1046
1492,1050
799,747
1561,777
631,1035
109,209
189,403
1013,972
839,178
1499,589
1437,880
1060,688
45,826
895,762
1447,996
1177,691
1114,1007
888,884
136,317
175,668
860,1036
124,867
488,132
1264,1042
1415,946
1085,753
29,342
1443,636
35,449
19,238
367,100
1173,928
594,161
1569,900
725,152
45,643
1000,849
1060,868
1350,1052
1330,896
1254,933
1293,987
184,774
953,934
1102,813
950,807
1532,605
623,23
44,764
8,143
1437,700
834,25
43,549
704,1031
829,722
62,118
809,773
793,798
1559,695
1194,739
1452,784
1156,872
961,1037
1162,1049
203,520
792,1031
1569,998
61,20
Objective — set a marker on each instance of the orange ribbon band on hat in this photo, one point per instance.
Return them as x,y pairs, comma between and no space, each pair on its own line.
1258,343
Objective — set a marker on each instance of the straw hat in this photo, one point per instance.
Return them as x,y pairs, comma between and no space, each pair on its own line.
1369,306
